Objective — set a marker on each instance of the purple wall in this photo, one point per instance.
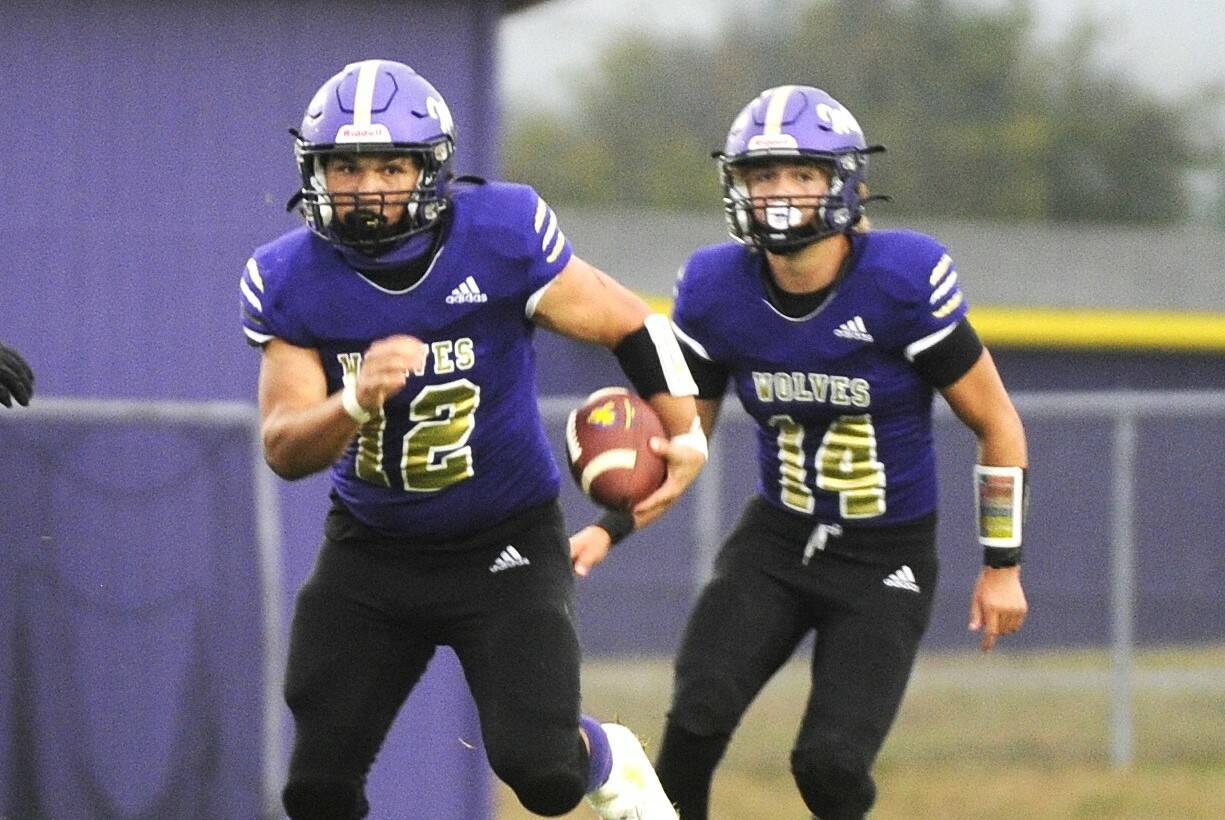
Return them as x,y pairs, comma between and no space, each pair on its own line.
148,156
151,156
131,631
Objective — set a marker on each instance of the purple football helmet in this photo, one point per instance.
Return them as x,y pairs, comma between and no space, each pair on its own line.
374,106
794,122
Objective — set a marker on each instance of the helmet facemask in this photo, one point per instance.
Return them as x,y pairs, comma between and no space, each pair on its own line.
786,224
366,226
794,124
374,107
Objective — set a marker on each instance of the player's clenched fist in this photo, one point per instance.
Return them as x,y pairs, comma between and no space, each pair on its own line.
385,369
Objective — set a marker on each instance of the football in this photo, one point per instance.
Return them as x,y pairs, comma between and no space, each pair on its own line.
608,442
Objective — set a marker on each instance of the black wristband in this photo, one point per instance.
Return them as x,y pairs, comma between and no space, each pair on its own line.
1001,557
617,523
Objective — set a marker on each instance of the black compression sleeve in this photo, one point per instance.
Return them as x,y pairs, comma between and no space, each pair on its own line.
950,358
640,363
710,378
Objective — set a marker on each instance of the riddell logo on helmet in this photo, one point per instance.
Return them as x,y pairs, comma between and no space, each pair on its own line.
766,142
363,133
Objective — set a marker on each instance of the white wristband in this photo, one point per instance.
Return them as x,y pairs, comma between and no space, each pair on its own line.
348,400
695,439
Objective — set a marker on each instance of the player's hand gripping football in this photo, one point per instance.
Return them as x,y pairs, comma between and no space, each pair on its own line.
685,461
385,369
998,605
16,378
591,545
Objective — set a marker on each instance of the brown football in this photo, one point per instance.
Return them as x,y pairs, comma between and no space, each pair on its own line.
607,439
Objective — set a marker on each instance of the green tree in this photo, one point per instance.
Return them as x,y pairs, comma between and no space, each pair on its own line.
1116,154
980,123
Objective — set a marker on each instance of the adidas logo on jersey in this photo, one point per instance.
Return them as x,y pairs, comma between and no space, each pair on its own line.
509,559
854,329
467,292
903,578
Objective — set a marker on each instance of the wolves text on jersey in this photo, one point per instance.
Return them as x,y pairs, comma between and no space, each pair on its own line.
812,387
444,357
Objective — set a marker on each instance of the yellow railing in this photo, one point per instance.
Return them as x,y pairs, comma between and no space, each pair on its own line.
1085,329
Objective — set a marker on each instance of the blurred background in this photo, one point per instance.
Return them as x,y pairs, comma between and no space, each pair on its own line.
1069,154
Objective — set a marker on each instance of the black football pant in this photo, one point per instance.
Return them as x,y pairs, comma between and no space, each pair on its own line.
761,602
367,623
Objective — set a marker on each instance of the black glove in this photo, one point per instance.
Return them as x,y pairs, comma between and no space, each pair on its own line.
16,378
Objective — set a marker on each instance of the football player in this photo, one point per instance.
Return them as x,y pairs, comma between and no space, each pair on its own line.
396,328
16,378
835,338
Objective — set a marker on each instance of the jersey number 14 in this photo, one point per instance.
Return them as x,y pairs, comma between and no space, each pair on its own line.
845,464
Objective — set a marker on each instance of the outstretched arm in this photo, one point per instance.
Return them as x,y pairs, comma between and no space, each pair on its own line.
584,303
998,606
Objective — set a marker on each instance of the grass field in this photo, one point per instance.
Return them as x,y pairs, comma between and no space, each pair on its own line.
999,736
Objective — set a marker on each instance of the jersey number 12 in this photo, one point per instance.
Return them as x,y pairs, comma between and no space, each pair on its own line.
434,453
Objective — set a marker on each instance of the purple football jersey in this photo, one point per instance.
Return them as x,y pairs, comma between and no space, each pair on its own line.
843,419
462,447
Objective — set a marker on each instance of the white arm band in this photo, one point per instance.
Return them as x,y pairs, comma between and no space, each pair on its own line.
676,371
999,501
348,400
